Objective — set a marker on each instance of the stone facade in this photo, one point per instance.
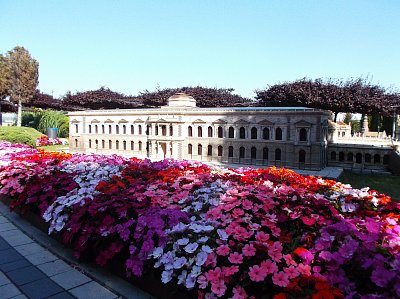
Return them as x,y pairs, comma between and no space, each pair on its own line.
290,137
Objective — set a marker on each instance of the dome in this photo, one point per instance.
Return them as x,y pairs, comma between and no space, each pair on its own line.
181,100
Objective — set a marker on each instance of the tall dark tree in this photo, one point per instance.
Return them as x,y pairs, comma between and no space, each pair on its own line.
353,95
24,77
205,97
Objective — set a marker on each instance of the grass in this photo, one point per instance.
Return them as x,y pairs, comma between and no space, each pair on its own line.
386,184
53,148
23,135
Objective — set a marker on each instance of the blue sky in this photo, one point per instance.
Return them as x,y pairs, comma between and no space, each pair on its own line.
130,46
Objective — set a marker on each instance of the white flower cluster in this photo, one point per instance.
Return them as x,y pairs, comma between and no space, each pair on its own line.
88,175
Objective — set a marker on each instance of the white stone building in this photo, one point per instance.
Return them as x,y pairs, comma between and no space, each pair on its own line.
291,137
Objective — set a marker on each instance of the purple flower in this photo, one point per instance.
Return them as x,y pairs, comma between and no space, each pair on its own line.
191,247
201,258
183,241
381,277
190,281
179,262
222,234
166,276
182,277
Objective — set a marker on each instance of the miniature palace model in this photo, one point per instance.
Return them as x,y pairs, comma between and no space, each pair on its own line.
293,137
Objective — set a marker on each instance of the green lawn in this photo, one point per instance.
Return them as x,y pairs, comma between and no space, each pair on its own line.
389,185
23,135
54,148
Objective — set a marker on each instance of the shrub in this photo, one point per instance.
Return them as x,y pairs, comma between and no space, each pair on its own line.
22,135
44,119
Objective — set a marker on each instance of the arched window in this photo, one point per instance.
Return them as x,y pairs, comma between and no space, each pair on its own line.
156,130
368,158
123,129
76,142
253,152
190,149
117,144
265,153
132,145
171,130
242,133
109,144
253,133
90,129
76,129
385,159
140,145
209,150
124,145
230,151
266,134
220,151
303,134
140,129
359,158
117,129
132,129
278,134
278,154
302,156
341,156
148,130
377,159
333,156
199,149
242,152
109,129
164,130
96,129
350,157
96,144
231,132
90,143
210,132
103,129
199,132
190,131
103,144
220,132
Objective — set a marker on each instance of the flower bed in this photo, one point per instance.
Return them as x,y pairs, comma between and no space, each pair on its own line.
44,140
215,232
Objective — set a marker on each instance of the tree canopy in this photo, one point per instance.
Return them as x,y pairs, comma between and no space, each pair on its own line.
353,95
23,72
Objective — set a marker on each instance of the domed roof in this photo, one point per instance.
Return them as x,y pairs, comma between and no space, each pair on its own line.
181,99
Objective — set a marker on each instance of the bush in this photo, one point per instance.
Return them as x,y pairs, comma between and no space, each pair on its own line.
22,135
44,119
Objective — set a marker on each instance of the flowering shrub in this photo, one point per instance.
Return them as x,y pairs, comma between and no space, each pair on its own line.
44,140
256,233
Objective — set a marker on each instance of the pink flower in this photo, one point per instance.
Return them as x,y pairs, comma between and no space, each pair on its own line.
249,250
291,272
262,237
235,258
304,269
202,281
257,273
275,255
247,204
211,260
237,213
219,288
223,250
280,279
229,271
239,293
269,266
215,275
289,260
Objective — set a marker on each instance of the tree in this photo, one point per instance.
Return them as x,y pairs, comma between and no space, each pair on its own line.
4,78
24,77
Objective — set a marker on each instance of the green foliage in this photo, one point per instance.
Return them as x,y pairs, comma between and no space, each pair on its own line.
41,120
23,135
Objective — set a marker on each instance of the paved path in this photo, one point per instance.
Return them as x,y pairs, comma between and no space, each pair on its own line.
29,269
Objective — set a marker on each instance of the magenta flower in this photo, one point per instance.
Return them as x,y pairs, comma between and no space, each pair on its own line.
280,279
257,273
235,258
